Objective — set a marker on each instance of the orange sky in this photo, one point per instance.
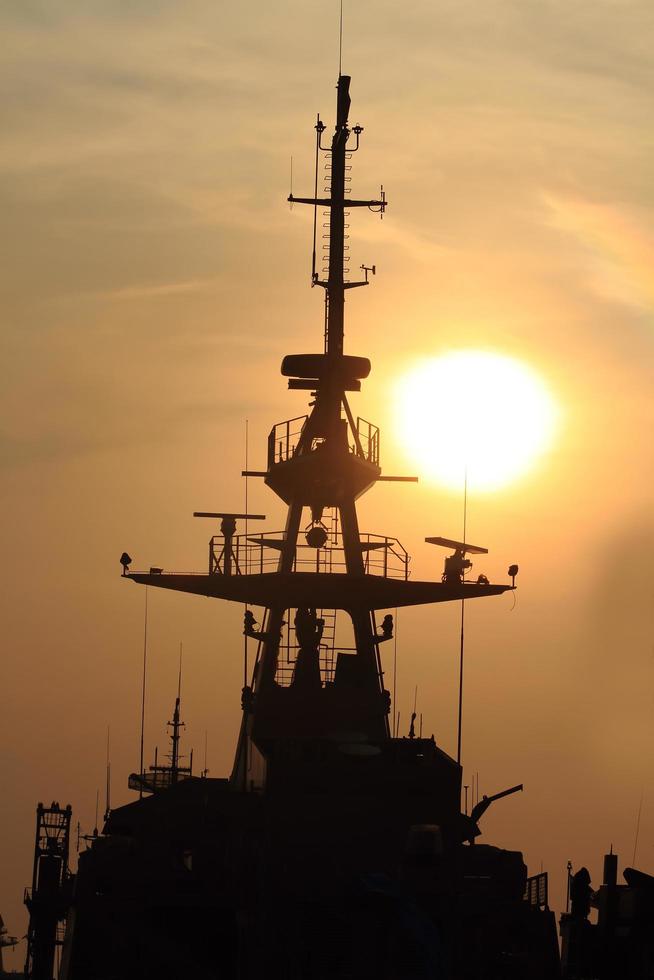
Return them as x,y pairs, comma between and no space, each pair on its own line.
153,278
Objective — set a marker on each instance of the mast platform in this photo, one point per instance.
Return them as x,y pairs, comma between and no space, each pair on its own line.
317,589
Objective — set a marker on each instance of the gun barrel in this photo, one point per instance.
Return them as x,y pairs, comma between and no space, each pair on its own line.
480,808
505,792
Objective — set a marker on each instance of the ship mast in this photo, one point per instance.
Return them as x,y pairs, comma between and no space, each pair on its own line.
319,465
340,475
335,284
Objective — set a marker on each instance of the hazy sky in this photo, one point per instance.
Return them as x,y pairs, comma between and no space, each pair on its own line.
153,277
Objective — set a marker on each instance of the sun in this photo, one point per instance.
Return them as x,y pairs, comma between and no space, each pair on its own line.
475,415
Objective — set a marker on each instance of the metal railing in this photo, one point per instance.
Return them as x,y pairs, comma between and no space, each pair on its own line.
285,436
368,440
255,554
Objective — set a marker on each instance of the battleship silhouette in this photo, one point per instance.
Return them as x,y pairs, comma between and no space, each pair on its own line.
335,849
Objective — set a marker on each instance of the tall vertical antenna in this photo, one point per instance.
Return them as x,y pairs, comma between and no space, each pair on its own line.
176,724
640,807
395,677
247,435
245,636
340,43
145,658
314,273
463,607
334,282
414,715
107,808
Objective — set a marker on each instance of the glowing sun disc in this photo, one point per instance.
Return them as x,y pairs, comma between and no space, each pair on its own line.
475,412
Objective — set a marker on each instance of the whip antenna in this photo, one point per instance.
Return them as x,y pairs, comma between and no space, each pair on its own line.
247,448
340,42
107,809
640,807
145,660
463,607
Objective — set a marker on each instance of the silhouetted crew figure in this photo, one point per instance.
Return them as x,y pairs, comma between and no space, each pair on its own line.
249,623
308,632
251,627
580,953
580,892
456,566
386,630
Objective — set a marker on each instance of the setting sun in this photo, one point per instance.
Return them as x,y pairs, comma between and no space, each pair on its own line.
474,412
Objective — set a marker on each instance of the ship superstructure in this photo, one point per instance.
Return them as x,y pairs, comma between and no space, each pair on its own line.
320,565
334,850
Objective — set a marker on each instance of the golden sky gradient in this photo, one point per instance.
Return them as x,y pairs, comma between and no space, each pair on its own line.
153,277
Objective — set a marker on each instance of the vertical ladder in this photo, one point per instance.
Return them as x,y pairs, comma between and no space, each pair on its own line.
327,644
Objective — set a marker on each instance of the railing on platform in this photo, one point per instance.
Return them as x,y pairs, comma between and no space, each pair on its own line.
254,554
285,436
536,891
368,440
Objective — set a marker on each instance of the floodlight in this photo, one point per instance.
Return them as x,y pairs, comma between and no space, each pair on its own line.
316,536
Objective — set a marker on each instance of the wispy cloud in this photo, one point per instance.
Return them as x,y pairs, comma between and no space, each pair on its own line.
615,245
160,289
